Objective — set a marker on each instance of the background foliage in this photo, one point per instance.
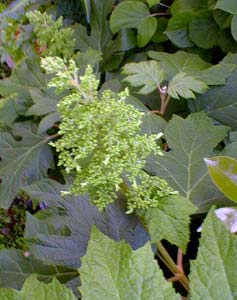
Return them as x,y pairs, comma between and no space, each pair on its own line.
179,60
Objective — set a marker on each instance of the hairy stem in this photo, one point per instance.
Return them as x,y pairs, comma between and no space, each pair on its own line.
159,14
52,137
165,98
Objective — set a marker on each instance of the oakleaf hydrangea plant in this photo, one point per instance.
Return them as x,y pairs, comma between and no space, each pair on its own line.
101,141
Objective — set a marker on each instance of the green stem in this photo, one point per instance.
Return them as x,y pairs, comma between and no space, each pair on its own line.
172,266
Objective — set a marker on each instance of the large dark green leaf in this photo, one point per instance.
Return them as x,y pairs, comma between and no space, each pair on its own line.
152,2
134,14
145,31
25,77
151,123
177,30
160,36
100,37
100,33
214,272
222,18
220,103
45,102
179,6
217,74
48,122
22,161
128,14
170,220
112,271
190,140
204,31
78,215
15,268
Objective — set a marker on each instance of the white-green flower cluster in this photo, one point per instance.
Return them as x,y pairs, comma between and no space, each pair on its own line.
146,191
101,141
52,36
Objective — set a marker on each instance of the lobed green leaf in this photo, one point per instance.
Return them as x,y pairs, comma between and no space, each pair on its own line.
190,140
22,162
112,271
183,85
147,74
36,290
213,273
170,220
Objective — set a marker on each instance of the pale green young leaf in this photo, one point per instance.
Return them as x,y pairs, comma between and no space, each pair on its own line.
170,220
128,14
145,30
147,75
184,85
190,140
36,290
179,62
15,268
223,171
227,5
214,272
22,162
112,271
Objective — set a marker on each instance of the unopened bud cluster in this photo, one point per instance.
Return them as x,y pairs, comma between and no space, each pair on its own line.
55,39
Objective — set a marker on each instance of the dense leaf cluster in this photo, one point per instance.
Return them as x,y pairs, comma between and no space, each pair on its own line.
68,123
